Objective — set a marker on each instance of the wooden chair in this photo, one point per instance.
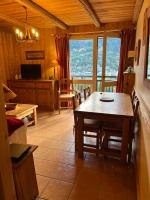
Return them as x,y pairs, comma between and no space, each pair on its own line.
134,125
113,133
66,92
90,125
87,92
133,96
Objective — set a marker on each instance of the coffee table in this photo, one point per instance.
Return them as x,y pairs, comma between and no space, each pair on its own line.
23,110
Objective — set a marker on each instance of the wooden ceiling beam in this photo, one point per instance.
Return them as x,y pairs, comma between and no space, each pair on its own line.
137,9
91,29
88,7
14,21
44,13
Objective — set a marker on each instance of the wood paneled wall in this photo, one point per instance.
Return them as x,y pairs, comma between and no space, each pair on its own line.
7,56
45,43
12,54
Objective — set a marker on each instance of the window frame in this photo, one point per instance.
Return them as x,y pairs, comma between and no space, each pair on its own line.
95,36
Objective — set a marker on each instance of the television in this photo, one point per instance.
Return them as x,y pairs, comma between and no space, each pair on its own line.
31,71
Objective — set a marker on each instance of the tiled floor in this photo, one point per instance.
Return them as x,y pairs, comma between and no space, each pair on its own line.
62,176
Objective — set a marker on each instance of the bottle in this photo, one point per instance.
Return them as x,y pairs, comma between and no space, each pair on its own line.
16,77
19,76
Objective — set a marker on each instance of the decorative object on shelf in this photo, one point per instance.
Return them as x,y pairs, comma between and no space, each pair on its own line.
131,57
130,69
35,55
30,34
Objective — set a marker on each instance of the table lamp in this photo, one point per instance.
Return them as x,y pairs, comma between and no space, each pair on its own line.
54,65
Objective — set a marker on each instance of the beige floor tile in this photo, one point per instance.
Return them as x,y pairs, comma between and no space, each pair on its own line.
42,182
87,186
57,190
72,148
56,170
50,143
57,144
61,176
56,155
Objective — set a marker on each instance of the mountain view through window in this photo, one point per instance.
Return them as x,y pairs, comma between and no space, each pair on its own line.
81,58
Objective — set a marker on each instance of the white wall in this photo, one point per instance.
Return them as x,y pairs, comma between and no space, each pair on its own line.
143,92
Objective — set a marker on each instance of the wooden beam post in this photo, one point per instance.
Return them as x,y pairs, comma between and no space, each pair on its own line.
137,9
87,6
95,56
7,189
104,62
44,13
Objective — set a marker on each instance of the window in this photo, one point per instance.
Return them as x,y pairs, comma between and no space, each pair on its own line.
81,59
99,63
112,58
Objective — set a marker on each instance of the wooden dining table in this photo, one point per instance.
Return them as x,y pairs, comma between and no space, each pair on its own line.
115,107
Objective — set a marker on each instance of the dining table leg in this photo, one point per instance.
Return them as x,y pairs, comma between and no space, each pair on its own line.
125,139
80,135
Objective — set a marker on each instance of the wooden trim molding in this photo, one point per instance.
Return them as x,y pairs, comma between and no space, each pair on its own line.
88,7
137,9
44,13
91,29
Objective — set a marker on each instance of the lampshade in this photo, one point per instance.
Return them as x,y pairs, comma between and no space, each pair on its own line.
131,54
54,65
8,93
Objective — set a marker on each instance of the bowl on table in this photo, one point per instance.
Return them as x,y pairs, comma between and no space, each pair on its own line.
10,106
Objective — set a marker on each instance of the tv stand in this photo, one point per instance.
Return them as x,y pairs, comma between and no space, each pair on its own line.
43,93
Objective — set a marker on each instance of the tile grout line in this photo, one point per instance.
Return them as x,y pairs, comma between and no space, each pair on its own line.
54,178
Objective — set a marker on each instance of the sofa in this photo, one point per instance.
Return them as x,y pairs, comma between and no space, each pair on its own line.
16,130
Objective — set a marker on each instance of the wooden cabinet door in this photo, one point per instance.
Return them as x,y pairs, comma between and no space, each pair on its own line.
44,98
42,93
128,82
27,95
24,95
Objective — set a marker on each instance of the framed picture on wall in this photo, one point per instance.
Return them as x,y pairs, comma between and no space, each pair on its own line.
135,58
35,55
144,27
138,51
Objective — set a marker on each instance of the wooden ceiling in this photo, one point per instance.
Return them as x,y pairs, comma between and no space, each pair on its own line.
66,13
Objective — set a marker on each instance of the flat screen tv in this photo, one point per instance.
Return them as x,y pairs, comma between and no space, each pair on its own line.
31,71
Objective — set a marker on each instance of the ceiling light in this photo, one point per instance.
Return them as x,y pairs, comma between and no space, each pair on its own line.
30,34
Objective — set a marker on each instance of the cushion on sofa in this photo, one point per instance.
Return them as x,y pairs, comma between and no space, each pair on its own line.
13,124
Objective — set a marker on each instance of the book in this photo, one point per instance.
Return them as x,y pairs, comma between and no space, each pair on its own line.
18,150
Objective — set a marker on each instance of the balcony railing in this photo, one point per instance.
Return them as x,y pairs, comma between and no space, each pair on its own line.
80,82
